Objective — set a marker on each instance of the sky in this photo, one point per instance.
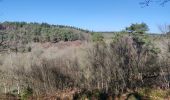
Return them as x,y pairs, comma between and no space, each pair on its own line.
95,15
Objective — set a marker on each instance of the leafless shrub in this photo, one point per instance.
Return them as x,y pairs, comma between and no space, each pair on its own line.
108,67
165,29
122,65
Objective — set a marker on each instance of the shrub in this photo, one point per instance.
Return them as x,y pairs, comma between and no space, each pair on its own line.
26,93
97,37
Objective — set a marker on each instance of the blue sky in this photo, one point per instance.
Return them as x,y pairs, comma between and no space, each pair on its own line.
96,15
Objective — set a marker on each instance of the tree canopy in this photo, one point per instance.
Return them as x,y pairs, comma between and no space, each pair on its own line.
139,28
15,34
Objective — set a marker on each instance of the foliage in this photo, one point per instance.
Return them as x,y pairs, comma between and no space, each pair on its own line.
138,33
133,52
91,95
153,93
15,35
97,37
26,93
145,41
138,28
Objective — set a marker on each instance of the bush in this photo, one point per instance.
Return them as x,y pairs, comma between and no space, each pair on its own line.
28,92
97,37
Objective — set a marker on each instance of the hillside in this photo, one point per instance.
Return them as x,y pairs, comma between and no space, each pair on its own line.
17,34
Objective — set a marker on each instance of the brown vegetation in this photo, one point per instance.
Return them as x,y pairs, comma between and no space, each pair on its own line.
126,67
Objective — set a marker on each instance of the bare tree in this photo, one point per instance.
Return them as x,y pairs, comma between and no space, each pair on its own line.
165,29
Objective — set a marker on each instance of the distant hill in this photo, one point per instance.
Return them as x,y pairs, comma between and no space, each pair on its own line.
39,32
14,34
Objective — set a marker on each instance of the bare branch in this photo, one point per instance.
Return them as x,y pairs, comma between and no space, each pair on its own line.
165,29
148,2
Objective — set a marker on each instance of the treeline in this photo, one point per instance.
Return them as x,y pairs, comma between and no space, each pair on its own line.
15,34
